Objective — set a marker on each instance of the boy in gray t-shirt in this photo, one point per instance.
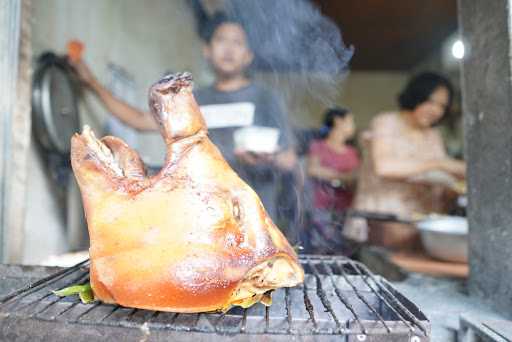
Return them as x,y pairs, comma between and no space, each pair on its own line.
261,173
230,55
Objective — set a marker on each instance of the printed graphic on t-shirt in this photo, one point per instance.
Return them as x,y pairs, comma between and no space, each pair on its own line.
237,114
257,139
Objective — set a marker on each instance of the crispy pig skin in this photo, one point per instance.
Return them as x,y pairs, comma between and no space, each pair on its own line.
192,238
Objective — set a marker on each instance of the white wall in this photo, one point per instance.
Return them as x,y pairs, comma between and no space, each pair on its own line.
369,93
147,38
45,228
365,93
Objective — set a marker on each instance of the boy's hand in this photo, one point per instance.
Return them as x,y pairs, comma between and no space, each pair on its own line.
252,158
285,160
246,157
83,71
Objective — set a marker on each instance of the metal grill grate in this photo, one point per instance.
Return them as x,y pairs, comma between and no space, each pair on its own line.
339,299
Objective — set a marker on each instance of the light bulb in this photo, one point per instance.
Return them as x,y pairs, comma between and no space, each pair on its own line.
458,49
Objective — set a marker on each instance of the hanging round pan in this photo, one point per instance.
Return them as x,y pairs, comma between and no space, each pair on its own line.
54,103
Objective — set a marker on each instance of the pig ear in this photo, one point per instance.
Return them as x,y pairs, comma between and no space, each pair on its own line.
93,164
127,158
178,116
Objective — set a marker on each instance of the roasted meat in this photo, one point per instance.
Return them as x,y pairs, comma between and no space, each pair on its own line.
192,238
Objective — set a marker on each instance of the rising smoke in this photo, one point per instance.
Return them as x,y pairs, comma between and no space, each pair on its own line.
294,45
292,37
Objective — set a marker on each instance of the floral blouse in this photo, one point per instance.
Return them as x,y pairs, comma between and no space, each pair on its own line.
399,197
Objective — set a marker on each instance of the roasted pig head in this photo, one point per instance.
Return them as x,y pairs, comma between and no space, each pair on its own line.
192,238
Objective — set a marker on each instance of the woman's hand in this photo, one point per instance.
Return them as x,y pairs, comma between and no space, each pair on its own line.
454,167
316,170
448,173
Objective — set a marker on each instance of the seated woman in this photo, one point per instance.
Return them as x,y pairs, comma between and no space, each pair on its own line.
332,165
405,166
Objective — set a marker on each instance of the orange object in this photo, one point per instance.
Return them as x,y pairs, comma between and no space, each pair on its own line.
418,261
75,50
192,238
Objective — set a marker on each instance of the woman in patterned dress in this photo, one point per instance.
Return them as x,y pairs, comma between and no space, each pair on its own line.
403,161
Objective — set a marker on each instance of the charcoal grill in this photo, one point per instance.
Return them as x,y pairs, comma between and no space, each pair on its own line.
340,300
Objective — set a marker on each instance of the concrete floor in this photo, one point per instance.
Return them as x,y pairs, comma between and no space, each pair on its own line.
444,300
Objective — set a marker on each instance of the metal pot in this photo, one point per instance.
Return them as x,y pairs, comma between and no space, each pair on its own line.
445,237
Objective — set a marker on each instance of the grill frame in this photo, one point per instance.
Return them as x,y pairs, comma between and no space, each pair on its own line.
341,300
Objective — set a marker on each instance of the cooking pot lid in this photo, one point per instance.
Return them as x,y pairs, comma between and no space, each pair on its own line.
54,103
